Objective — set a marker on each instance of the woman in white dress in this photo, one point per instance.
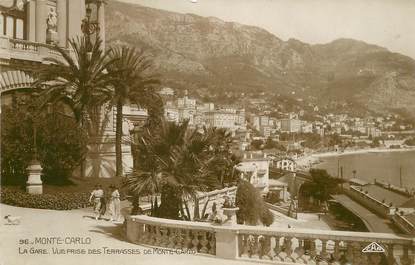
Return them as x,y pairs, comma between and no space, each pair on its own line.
96,196
115,205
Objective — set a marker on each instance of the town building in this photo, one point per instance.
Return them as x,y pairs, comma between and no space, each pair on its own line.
290,125
254,168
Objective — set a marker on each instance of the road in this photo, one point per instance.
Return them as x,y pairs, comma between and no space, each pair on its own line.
372,221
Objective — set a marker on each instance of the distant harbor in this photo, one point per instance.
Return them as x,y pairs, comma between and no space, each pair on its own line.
397,168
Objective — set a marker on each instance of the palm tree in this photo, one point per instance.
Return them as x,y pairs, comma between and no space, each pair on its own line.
78,78
174,162
135,83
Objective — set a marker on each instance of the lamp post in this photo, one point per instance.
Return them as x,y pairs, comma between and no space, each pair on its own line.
91,26
34,181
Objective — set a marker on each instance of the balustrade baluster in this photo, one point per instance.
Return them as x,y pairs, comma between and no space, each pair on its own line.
349,252
144,235
324,255
187,240
288,249
195,241
162,238
151,231
357,252
171,238
179,239
278,249
336,253
212,243
313,249
265,247
244,249
203,242
298,254
406,260
157,239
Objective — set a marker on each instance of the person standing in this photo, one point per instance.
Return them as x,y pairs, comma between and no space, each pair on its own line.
96,196
115,204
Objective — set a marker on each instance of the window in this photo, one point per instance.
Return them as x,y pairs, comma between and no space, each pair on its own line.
19,29
12,22
9,27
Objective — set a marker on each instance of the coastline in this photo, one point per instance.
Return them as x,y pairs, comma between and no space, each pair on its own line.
309,160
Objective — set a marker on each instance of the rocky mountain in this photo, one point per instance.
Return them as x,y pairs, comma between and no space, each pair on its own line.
204,52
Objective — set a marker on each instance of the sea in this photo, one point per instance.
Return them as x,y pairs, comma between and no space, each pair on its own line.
397,168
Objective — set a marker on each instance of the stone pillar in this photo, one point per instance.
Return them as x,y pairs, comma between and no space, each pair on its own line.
34,183
101,21
61,6
31,21
134,230
41,21
227,243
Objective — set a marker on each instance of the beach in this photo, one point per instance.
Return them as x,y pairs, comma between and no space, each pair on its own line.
310,160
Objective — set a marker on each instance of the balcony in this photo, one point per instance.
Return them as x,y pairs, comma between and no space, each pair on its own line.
23,50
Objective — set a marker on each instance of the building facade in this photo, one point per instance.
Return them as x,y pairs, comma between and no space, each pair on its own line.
28,29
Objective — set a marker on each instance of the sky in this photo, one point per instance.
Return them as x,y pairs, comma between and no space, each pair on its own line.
388,23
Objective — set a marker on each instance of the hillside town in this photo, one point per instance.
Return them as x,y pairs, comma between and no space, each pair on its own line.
257,124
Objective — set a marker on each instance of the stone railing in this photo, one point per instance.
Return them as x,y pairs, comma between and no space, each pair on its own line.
180,235
400,190
367,200
23,45
218,194
25,50
267,244
282,210
403,223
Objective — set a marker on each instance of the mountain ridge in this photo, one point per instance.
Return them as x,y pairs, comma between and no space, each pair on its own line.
192,51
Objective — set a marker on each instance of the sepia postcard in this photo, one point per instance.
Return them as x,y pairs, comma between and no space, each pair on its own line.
207,132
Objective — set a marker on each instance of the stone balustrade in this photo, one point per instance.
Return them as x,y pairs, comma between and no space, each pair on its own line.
182,235
403,223
25,50
269,244
23,45
217,194
367,200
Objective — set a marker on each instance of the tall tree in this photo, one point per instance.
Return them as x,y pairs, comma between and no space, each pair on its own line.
136,84
321,186
79,78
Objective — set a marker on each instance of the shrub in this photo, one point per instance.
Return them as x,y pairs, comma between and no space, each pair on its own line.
252,208
58,201
61,145
267,218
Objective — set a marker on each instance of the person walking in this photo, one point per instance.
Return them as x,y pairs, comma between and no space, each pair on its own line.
115,204
104,202
96,196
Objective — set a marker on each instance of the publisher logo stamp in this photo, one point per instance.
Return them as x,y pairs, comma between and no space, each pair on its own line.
373,248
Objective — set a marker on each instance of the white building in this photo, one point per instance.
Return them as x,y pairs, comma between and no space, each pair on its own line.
255,169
